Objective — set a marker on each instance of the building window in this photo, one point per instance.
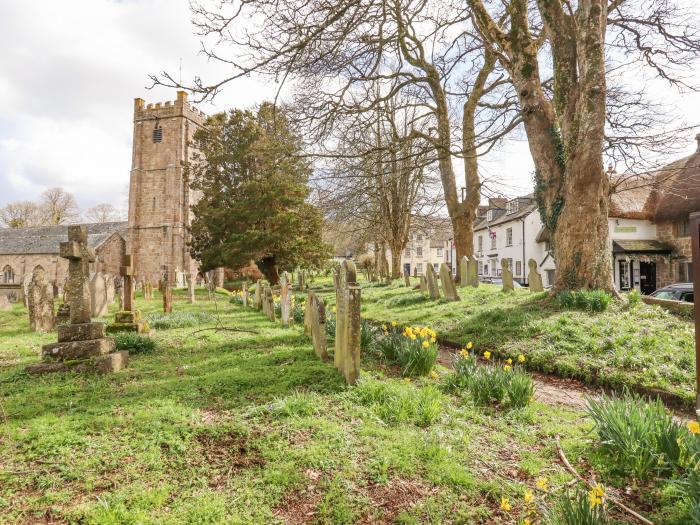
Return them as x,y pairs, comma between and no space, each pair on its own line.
624,275
419,268
493,240
419,251
512,206
436,267
510,265
550,277
439,252
157,134
480,267
518,267
407,252
490,214
8,275
685,272
683,228
419,237
509,236
481,243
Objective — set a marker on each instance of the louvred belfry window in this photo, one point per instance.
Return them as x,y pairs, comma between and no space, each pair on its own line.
157,134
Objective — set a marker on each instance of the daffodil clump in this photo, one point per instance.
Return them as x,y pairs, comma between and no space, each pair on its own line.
414,348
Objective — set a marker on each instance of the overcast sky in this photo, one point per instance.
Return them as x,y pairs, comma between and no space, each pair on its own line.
70,69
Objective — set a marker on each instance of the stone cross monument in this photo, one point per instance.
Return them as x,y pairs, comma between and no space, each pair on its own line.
129,319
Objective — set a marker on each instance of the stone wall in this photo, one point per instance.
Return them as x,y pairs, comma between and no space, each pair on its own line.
110,254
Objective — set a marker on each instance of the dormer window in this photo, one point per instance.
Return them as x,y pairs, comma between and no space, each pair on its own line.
157,134
490,214
512,206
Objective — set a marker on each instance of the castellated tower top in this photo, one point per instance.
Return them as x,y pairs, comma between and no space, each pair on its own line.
161,110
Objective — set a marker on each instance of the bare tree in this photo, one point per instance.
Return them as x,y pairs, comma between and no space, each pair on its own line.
21,214
103,213
59,206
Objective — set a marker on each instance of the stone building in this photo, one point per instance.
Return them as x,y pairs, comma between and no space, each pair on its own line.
23,249
159,195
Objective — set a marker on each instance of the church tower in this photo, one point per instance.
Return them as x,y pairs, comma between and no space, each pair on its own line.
159,196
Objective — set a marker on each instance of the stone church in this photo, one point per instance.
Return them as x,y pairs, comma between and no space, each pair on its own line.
159,209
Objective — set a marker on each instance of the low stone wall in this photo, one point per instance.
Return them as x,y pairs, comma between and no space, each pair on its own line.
679,307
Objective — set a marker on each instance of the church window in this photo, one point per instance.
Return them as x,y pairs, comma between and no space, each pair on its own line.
157,134
8,275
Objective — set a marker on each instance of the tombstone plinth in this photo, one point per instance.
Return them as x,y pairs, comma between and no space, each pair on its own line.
82,345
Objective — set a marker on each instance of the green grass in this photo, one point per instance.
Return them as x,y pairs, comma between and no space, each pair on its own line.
239,427
644,348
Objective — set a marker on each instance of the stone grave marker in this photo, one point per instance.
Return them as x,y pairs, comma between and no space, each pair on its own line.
244,293
469,272
336,277
258,299
98,295
110,290
82,345
128,319
407,279
25,288
5,305
167,290
347,324
315,324
286,299
448,285
269,304
506,276
302,280
40,302
190,289
423,284
534,277
433,289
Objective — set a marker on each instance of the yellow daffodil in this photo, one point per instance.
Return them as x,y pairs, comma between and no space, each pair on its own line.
470,345
334,309
487,355
463,353
384,327
505,503
412,337
434,374
521,358
595,496
507,367
406,379
694,427
432,339
426,344
529,496
394,323
509,361
527,521
542,484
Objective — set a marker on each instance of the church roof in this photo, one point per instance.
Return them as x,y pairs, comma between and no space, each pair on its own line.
46,239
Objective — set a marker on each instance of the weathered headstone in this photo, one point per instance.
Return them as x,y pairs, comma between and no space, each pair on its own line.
423,284
258,298
336,277
534,277
128,319
302,280
25,288
469,272
269,304
431,278
407,279
167,290
347,324
190,289
98,295
315,324
5,305
40,302
119,290
506,276
448,285
109,289
81,344
285,299
244,293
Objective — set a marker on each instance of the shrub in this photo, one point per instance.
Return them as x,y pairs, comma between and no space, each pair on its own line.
640,436
134,342
592,300
577,509
633,299
163,321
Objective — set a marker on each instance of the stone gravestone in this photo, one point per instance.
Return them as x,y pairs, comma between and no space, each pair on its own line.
423,284
286,299
110,290
148,291
448,285
128,319
315,324
190,289
25,288
347,324
269,304
469,272
258,298
433,290
119,290
534,277
302,280
5,305
244,293
98,295
167,289
336,277
407,279
40,302
507,276
82,345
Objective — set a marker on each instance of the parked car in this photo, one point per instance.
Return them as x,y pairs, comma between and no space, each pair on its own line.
498,281
676,292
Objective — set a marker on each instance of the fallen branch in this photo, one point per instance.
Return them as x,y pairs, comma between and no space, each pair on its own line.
614,501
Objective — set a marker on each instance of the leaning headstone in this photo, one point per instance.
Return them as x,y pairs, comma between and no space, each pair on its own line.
40,302
269,304
433,290
347,324
82,345
423,284
190,289
315,324
258,298
128,319
5,305
98,295
534,277
506,276
448,285
285,299
167,290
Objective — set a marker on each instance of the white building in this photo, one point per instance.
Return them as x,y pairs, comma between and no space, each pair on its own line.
428,244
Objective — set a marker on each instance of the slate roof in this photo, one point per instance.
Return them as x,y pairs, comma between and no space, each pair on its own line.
46,239
643,246
523,211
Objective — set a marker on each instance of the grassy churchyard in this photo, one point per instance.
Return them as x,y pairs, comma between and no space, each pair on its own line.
250,426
